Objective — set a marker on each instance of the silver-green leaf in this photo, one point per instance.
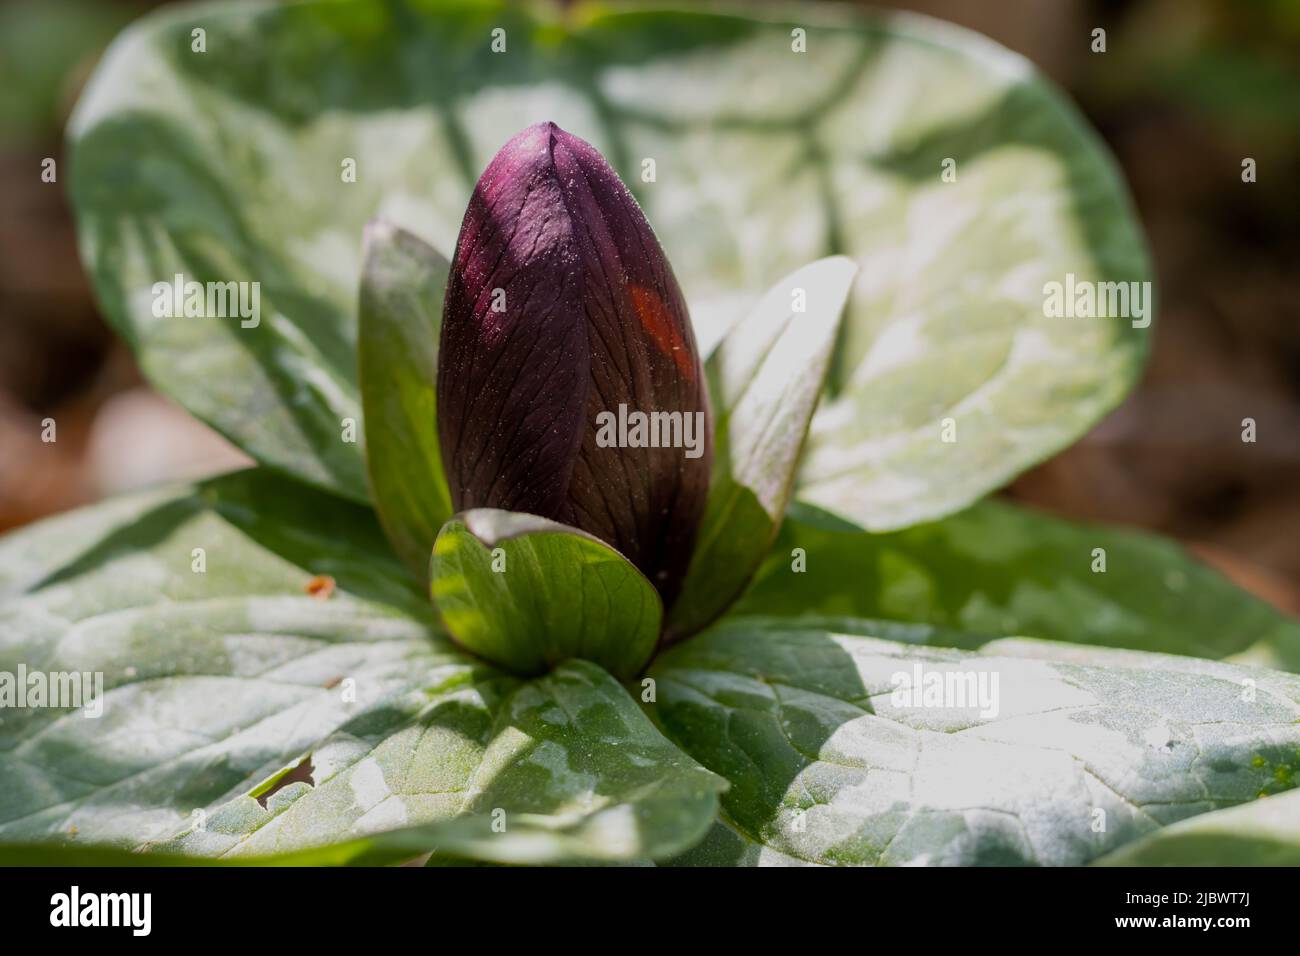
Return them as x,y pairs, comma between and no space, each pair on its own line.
564,768
999,568
1074,753
262,159
265,681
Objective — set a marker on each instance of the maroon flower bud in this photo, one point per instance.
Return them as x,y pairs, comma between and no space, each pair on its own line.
569,385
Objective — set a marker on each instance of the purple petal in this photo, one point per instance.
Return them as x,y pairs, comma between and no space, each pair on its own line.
593,319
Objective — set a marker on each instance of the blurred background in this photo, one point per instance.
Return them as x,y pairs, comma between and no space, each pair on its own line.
1185,91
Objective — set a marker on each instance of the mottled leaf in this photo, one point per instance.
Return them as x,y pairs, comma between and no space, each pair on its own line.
998,569
566,767
1073,752
239,716
218,667
230,166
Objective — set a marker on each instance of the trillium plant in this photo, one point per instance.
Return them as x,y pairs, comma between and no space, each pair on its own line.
624,392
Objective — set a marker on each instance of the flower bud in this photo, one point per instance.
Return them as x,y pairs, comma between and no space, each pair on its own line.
569,385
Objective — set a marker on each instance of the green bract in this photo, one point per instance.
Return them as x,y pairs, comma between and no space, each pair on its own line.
497,686
532,593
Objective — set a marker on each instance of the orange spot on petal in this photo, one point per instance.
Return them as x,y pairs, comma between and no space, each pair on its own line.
657,319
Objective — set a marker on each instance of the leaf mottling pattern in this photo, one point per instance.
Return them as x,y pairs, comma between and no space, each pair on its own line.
998,568
212,679
763,164
563,768
219,683
1081,757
